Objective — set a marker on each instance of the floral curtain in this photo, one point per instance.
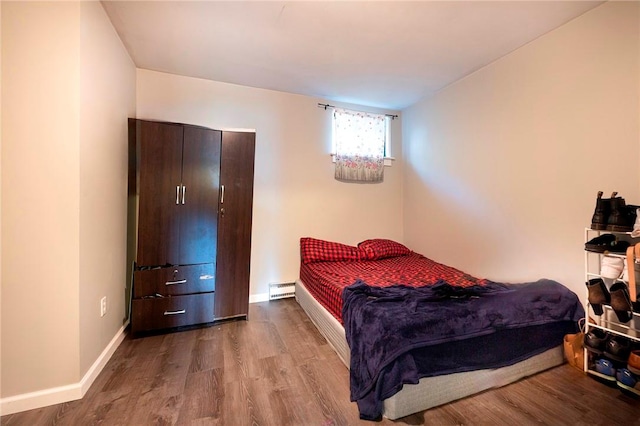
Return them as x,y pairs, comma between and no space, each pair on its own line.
359,145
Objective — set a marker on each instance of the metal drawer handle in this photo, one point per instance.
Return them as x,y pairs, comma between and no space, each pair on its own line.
175,312
206,277
175,282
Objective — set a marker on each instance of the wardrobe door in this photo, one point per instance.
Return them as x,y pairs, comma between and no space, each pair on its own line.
158,158
199,197
234,224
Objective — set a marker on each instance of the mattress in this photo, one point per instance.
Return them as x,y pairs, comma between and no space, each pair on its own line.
327,280
430,391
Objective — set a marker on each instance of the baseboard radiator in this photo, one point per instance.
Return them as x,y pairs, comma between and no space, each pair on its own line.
281,290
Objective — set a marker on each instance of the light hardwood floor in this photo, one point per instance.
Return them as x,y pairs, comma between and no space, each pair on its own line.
276,369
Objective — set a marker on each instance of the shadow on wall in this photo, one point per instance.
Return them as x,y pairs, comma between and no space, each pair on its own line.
436,187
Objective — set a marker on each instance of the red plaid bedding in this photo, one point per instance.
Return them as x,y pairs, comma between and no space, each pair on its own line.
314,250
326,280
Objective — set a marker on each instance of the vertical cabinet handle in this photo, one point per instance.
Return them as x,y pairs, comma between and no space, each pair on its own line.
184,189
221,194
178,194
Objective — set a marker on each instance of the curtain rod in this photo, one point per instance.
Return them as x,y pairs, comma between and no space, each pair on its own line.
325,106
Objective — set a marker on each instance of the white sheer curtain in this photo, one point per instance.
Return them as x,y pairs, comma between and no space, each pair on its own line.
359,139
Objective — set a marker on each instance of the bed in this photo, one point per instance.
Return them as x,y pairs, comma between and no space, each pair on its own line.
378,269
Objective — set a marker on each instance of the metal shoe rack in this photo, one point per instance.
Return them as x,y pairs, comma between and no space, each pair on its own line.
608,321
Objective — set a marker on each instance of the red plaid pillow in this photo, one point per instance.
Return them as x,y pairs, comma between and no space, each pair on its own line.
380,248
313,250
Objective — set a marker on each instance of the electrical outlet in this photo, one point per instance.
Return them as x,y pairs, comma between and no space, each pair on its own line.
103,306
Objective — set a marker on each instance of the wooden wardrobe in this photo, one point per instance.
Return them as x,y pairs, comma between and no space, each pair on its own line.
192,193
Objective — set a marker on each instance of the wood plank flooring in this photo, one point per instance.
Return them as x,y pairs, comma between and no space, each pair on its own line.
276,369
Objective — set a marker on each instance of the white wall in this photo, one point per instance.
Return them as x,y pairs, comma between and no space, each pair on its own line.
0,200
40,185
69,86
502,168
107,99
295,193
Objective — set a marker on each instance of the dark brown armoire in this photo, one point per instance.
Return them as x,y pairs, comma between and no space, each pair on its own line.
192,193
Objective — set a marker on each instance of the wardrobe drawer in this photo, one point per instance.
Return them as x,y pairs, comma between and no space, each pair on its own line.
168,312
174,280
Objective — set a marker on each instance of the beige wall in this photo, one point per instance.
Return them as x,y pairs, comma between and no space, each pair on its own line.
40,210
68,87
295,193
107,99
502,168
0,200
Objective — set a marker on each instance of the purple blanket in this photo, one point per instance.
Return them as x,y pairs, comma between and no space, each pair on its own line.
400,334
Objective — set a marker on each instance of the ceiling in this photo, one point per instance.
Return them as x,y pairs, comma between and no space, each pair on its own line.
386,54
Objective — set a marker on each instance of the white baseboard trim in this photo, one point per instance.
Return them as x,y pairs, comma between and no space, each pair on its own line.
256,298
92,374
60,394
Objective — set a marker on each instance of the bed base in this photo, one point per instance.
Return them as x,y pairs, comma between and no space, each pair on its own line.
430,391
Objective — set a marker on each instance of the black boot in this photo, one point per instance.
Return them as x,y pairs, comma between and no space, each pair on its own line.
601,213
621,217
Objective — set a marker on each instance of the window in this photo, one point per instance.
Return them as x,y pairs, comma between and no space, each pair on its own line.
362,133
360,143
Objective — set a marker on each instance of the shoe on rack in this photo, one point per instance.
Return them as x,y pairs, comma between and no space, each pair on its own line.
632,212
617,349
598,295
636,225
611,267
621,217
619,247
606,367
601,243
621,302
596,340
601,213
633,363
627,381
